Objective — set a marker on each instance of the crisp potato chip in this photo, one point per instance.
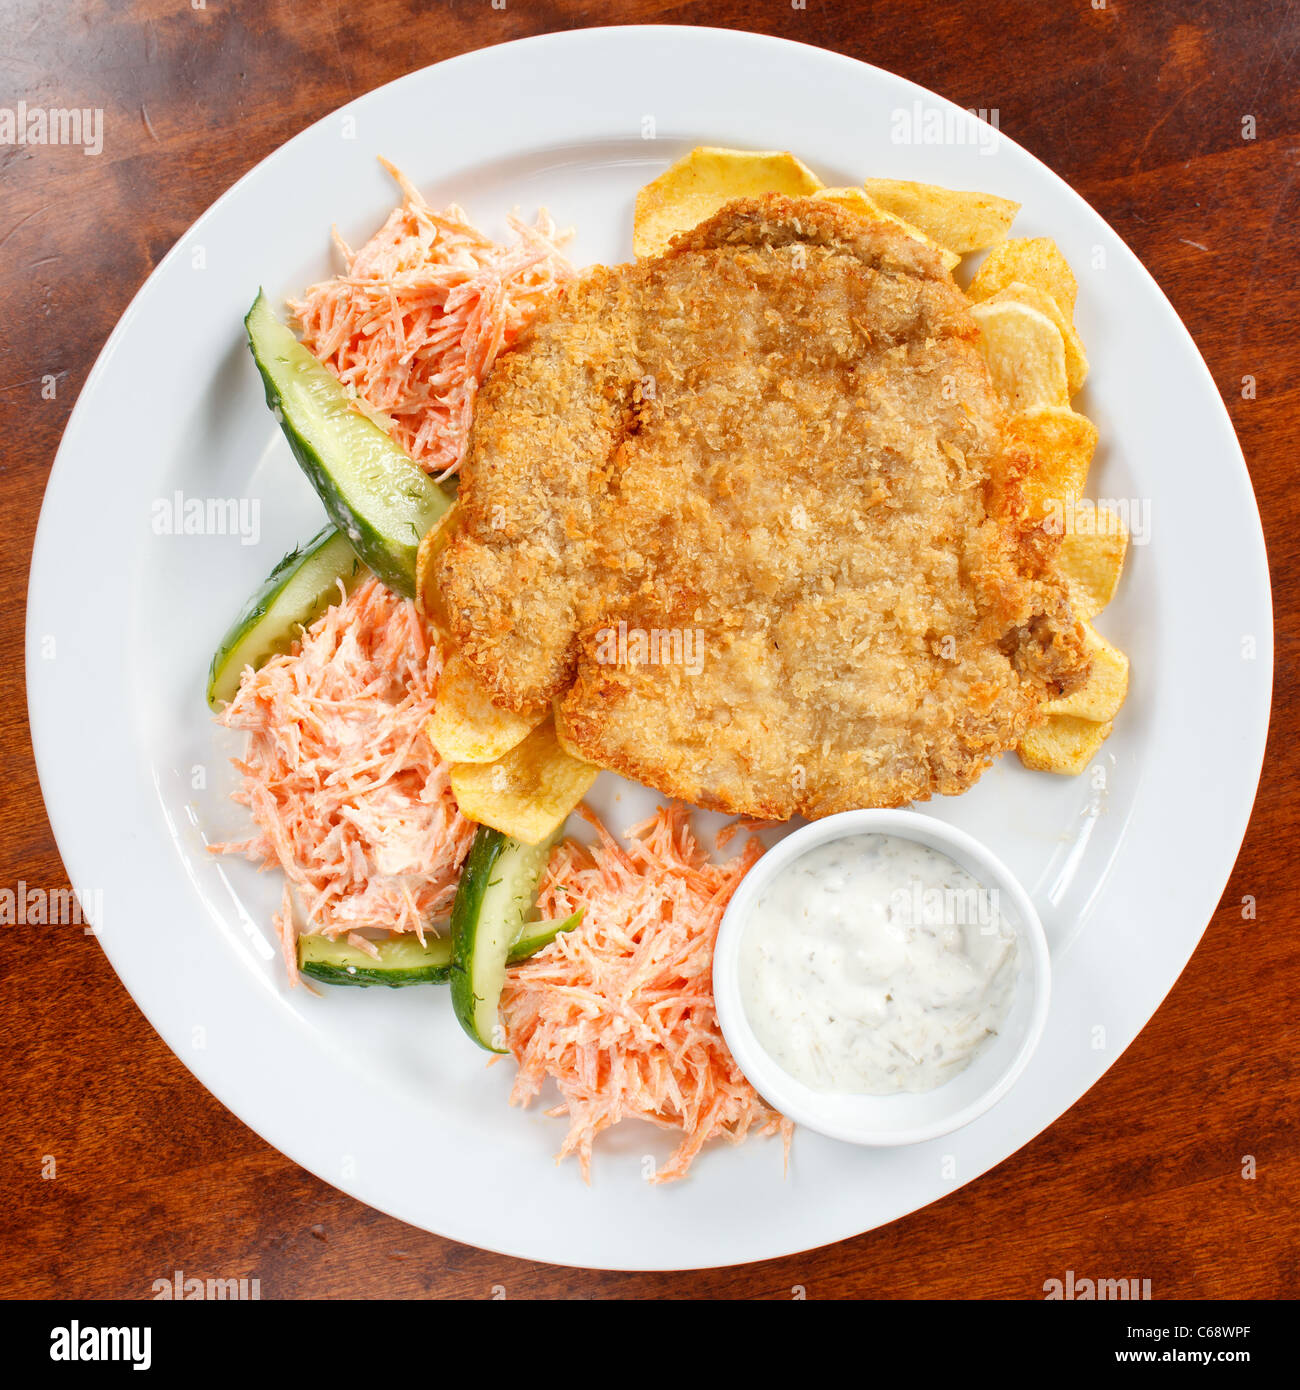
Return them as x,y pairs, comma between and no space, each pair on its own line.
1092,559
1025,353
960,220
701,182
1062,443
1031,261
1065,744
465,726
1076,360
529,791
427,600
855,200
1100,696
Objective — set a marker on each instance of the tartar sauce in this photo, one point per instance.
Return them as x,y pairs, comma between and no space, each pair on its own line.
875,964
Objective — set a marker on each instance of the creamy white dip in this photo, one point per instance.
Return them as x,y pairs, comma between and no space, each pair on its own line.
874,964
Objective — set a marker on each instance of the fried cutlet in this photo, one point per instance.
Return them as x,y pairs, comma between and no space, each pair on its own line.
777,440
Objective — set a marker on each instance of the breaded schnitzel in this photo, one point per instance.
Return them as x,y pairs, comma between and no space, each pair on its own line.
779,435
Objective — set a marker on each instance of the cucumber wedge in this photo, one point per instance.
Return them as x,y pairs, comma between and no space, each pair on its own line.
296,592
373,491
495,897
403,961
536,936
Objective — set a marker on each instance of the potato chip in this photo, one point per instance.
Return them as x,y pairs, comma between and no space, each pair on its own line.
1031,261
1062,443
528,792
1102,693
1076,360
960,220
427,599
1092,560
701,182
1025,353
855,200
465,726
1065,744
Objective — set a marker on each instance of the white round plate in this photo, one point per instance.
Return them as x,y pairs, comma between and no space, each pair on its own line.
378,1093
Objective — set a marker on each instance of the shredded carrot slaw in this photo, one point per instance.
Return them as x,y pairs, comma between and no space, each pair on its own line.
350,799
619,1012
422,312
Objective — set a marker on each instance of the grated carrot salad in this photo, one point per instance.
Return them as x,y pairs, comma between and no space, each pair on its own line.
349,797
422,312
619,1012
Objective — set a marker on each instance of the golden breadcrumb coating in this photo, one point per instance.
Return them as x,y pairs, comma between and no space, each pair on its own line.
779,442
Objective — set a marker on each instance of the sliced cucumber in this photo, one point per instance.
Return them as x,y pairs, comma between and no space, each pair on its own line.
375,494
402,961
536,936
296,592
494,900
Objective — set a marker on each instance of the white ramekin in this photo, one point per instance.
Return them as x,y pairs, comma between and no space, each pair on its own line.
904,1117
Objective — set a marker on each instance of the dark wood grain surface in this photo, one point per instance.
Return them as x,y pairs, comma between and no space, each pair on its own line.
1141,105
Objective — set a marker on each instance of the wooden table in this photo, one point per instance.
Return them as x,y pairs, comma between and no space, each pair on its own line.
1140,105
